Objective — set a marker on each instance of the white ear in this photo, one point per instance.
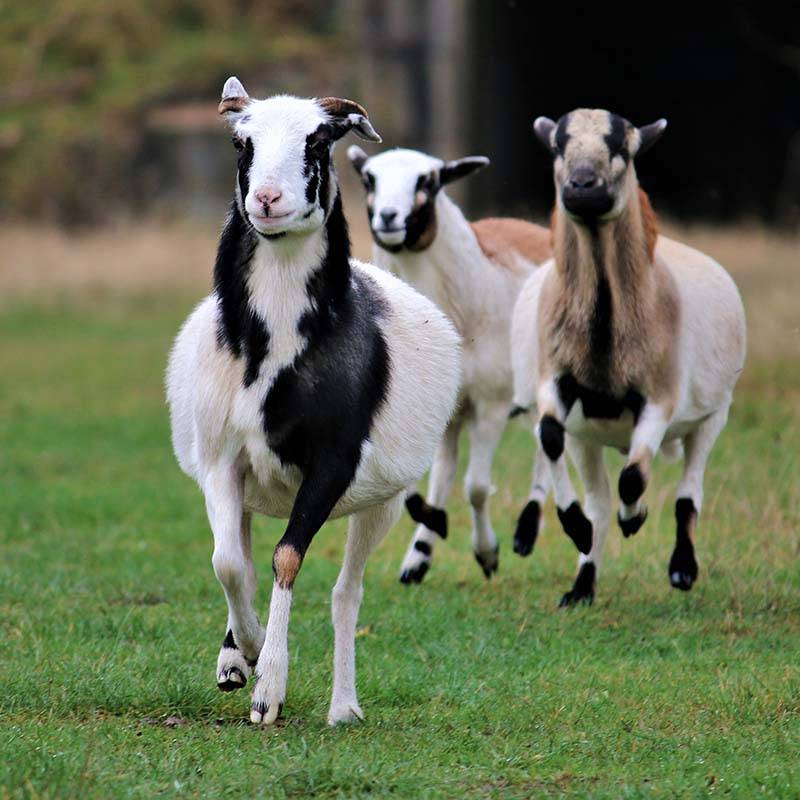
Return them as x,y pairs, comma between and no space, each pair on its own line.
234,96
357,157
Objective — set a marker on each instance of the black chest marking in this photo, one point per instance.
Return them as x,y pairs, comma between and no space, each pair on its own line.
598,404
322,406
239,329
600,332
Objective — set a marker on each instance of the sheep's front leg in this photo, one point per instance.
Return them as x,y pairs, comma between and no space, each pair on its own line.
645,443
315,500
588,458
551,433
366,531
430,514
233,565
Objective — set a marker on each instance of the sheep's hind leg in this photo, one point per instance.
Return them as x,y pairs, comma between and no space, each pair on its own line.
683,564
485,429
366,531
529,523
430,513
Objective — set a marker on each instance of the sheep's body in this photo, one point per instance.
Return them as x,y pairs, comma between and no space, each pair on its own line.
625,339
308,385
226,414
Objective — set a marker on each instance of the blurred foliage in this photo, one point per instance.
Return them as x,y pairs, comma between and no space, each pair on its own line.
78,76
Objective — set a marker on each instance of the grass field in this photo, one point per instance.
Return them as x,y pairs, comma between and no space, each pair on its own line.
111,618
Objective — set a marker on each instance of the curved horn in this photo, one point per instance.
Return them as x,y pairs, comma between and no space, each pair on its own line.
349,114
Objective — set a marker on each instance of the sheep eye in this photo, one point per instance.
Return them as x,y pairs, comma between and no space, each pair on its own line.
369,181
237,143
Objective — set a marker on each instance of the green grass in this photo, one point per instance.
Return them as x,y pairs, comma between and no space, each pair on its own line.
110,616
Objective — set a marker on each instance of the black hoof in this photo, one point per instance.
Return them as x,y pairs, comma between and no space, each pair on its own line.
527,528
577,527
682,570
582,591
434,519
489,561
232,680
632,525
414,574
631,484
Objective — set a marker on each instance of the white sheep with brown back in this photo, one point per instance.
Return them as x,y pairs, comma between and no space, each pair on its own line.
626,339
473,272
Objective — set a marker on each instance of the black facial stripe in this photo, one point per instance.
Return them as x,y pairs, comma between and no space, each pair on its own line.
562,137
316,166
244,164
616,138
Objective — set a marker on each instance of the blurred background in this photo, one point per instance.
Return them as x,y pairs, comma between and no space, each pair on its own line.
115,169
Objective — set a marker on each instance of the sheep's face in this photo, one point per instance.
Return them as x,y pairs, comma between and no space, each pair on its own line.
401,188
285,178
593,153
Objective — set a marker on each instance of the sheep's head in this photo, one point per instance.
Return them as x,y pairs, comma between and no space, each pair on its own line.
593,153
285,178
401,188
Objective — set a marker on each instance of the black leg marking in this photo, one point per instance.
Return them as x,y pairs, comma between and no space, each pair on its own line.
577,527
683,565
489,563
229,640
517,411
631,484
527,528
583,589
434,519
551,434
423,547
261,708
632,525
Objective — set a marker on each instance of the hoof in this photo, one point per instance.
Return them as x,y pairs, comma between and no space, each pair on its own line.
582,591
231,679
682,571
632,525
415,572
342,713
489,561
262,714
577,527
527,528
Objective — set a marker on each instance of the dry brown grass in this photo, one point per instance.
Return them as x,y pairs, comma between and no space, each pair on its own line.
41,263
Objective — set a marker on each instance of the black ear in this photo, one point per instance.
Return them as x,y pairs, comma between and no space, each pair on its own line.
650,134
357,157
544,127
460,168
347,115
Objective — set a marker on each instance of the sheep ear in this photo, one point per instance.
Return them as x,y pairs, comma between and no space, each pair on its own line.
348,115
649,135
234,97
460,168
357,157
544,127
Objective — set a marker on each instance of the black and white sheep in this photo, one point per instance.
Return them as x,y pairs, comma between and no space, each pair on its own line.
306,386
474,273
626,339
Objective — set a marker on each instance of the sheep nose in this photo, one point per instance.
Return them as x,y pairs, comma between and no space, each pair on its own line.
583,178
388,215
268,195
